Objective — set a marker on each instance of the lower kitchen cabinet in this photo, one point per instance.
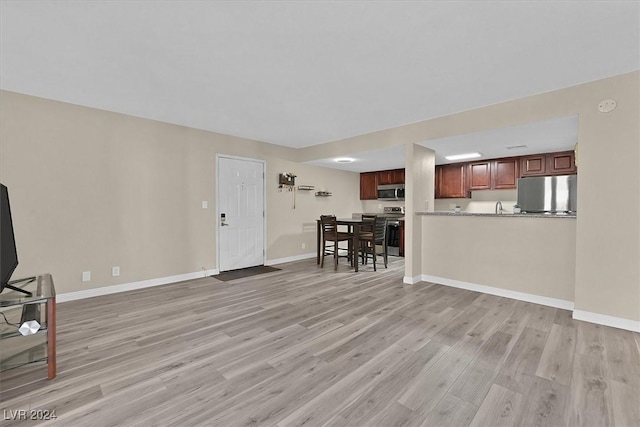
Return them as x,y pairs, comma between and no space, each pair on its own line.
401,251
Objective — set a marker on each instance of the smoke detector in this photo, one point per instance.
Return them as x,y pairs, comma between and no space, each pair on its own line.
607,105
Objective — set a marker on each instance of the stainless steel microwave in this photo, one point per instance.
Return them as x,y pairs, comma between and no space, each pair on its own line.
391,192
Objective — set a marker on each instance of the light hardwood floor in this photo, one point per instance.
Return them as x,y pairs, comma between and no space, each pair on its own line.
310,346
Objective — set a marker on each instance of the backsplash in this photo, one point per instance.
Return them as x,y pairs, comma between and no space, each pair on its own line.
374,206
480,202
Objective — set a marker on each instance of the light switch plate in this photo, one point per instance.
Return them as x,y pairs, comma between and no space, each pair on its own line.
115,271
205,204
86,276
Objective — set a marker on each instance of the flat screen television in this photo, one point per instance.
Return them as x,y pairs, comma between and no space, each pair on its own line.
8,252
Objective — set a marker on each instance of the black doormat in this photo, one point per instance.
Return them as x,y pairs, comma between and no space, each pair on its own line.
244,272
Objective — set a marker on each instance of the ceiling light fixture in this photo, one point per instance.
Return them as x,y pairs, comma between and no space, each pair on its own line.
463,156
345,160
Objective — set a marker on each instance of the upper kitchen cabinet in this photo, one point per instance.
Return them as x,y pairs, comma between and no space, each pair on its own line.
505,173
479,175
395,176
450,181
562,163
369,182
369,186
497,174
535,165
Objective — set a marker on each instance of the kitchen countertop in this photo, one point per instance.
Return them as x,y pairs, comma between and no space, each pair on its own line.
504,215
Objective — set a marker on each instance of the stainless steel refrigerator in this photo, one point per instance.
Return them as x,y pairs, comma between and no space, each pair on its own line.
548,194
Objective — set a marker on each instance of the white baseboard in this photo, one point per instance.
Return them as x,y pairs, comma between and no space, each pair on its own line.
522,296
602,319
411,280
106,290
290,259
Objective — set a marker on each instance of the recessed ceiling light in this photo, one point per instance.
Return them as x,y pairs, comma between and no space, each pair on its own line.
463,156
344,160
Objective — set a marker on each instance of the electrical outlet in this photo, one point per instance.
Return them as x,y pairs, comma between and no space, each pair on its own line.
115,271
205,204
86,276
304,246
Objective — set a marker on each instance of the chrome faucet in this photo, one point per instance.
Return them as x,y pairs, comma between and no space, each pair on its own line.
499,208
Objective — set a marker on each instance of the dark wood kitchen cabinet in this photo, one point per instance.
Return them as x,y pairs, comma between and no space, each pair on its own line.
535,165
394,176
479,175
401,249
563,163
369,182
450,181
505,173
496,174
368,186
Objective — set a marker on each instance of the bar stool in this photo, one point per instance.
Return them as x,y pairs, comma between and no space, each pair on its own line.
330,234
381,238
368,238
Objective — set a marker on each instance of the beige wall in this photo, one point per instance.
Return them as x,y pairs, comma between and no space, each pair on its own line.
608,233
290,228
420,185
531,255
92,189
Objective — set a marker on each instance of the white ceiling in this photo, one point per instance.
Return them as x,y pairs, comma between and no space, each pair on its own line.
540,137
303,73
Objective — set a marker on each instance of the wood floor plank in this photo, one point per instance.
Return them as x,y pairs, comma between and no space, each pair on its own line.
556,362
522,361
590,393
626,410
590,340
500,408
545,403
623,358
368,405
307,345
397,415
318,410
451,411
426,390
477,378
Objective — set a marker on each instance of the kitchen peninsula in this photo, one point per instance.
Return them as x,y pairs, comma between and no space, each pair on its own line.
502,215
526,256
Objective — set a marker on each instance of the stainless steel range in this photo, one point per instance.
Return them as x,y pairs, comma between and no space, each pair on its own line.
393,213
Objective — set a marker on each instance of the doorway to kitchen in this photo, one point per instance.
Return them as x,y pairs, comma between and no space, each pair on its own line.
240,212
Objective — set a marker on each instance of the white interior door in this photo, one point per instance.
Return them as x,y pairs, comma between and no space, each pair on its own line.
240,213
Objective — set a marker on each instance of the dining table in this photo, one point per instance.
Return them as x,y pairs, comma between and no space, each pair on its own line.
352,224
